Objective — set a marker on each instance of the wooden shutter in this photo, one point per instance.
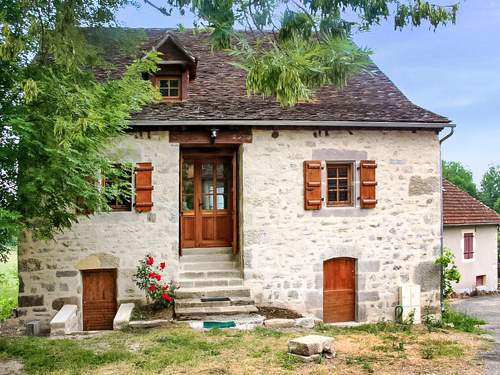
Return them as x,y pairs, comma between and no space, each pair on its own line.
468,245
312,184
143,187
368,184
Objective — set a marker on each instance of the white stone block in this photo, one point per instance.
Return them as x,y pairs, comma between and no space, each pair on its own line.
123,315
65,321
409,299
279,323
311,345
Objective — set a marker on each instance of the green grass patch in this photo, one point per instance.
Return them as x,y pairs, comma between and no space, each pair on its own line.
8,286
441,348
373,328
266,332
364,362
42,356
462,322
287,361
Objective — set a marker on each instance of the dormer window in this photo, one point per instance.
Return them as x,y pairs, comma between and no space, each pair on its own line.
170,87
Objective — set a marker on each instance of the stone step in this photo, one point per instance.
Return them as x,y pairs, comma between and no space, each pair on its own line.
202,266
210,274
206,250
233,291
200,258
202,312
194,283
196,302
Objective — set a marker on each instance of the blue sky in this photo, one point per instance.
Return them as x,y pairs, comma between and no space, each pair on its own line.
453,71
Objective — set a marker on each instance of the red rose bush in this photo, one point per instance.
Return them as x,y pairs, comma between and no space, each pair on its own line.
150,278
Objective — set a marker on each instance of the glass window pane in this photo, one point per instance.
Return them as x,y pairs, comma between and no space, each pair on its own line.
164,92
187,202
187,187
343,172
221,202
188,170
174,83
207,170
163,83
343,196
343,184
332,184
207,187
222,187
174,92
222,170
332,196
207,203
332,172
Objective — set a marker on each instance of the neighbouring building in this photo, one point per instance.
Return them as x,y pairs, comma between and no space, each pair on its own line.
326,208
471,232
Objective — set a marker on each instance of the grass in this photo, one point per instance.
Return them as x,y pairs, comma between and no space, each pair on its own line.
8,286
177,349
463,322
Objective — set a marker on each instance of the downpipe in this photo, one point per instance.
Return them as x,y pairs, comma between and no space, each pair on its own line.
441,291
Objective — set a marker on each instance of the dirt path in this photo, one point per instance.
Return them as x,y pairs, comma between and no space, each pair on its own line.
487,308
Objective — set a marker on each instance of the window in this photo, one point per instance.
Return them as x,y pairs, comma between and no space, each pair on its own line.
468,245
339,184
170,87
118,188
480,280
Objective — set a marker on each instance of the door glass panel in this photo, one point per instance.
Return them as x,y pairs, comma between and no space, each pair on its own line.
221,202
222,170
207,170
222,187
207,203
187,202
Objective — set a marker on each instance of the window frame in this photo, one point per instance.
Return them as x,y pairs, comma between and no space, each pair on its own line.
351,184
483,280
473,252
160,78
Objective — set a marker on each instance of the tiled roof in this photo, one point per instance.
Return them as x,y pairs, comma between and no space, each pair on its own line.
461,208
218,93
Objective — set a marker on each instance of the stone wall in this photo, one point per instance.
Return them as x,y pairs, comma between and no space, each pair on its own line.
49,271
284,246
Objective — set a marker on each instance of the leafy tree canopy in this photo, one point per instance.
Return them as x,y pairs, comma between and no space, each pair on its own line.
307,41
456,173
56,120
490,188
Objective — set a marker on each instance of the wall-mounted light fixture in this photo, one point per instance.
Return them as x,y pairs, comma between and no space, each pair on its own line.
213,135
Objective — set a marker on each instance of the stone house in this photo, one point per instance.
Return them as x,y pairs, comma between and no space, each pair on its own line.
326,208
471,232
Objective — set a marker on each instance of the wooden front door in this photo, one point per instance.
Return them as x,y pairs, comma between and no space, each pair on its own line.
99,299
207,200
339,290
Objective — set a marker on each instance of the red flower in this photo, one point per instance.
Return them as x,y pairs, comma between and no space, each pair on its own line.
165,287
166,297
149,260
152,288
162,265
158,277
152,275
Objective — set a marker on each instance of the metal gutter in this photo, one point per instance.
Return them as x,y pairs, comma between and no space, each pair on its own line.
292,123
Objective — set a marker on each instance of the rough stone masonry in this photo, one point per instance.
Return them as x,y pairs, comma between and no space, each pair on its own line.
282,246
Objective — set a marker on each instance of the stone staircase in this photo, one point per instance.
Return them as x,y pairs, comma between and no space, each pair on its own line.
207,274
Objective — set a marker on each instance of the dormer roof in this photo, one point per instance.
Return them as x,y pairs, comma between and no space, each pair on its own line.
174,53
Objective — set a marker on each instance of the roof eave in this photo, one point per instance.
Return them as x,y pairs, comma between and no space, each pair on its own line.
296,123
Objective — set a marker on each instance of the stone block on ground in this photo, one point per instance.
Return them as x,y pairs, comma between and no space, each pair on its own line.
279,323
307,322
310,345
123,315
65,321
307,358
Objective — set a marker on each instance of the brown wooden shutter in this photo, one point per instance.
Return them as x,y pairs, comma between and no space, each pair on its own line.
368,184
143,187
312,184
